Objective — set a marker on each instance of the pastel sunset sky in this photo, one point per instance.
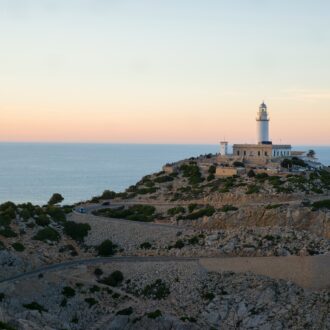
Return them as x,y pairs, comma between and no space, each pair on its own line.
164,71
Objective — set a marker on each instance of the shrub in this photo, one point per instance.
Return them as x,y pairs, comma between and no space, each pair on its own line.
35,306
19,247
91,302
56,213
208,296
126,311
155,314
68,292
193,240
273,206
324,204
94,289
206,211
176,210
156,290
42,220
77,231
212,169
179,244
6,326
2,297
98,271
114,279
106,248
192,207
108,194
145,246
47,234
238,164
145,213
228,207
162,179
192,172
252,189
7,232
2,246
251,174
55,199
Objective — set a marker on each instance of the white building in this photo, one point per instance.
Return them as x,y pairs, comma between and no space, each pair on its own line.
264,149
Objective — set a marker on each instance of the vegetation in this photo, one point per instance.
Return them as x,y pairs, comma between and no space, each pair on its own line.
273,206
106,248
68,292
6,326
192,172
91,301
126,311
205,211
252,189
7,232
145,213
155,314
251,174
77,231
164,178
157,290
55,199
228,207
35,306
145,246
19,247
108,194
238,164
114,279
324,204
42,220
47,234
176,210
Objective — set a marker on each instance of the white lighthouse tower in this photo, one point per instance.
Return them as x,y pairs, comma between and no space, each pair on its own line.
263,125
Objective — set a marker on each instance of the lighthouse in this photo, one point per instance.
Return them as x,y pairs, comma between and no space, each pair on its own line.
263,125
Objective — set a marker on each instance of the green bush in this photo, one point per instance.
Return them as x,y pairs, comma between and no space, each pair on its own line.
77,231
192,207
228,207
19,247
273,206
145,246
47,234
6,326
91,301
157,290
114,279
176,210
324,204
212,169
56,213
238,164
108,194
68,292
179,244
251,174
42,220
145,213
252,189
2,246
2,297
206,211
35,306
106,248
7,232
153,315
192,172
126,311
163,179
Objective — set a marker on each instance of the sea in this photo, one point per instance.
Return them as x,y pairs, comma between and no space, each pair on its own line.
32,172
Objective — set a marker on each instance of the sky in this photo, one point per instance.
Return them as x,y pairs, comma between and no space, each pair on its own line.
164,71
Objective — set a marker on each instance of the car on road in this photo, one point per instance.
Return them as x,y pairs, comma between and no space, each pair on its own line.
105,203
82,210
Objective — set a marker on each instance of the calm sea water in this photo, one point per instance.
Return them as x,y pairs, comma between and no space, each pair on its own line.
34,171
